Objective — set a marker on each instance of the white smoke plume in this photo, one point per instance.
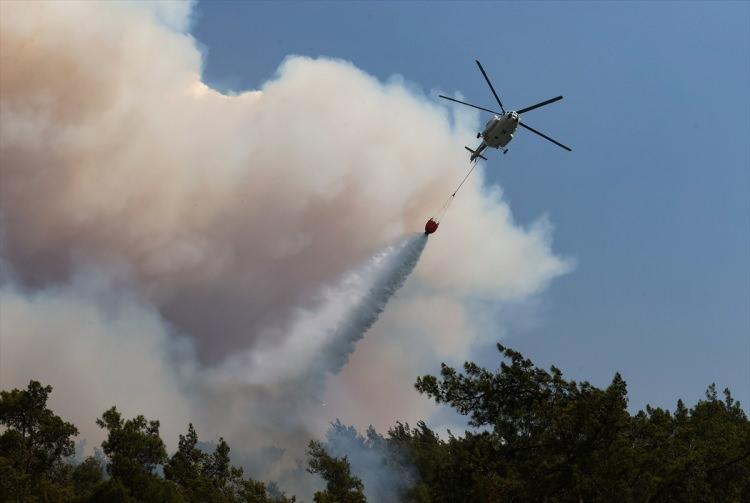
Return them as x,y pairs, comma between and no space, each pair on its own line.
385,473
165,247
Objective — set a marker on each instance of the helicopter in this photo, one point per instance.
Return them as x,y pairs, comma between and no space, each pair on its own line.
498,131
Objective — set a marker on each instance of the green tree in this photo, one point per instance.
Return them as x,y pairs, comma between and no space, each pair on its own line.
544,438
701,453
186,469
211,478
33,444
536,437
87,475
341,485
547,437
134,449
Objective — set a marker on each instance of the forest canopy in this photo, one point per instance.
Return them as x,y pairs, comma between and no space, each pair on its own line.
534,436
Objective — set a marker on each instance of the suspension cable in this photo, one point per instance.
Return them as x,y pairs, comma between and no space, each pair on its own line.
447,203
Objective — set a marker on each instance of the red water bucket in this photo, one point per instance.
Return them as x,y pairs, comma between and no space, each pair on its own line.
431,226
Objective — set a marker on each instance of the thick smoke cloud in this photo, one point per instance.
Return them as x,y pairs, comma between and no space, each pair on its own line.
159,239
98,347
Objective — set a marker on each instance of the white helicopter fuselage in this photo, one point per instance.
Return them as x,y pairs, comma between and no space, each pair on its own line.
499,130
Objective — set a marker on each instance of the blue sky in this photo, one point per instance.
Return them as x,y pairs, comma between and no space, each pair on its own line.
654,201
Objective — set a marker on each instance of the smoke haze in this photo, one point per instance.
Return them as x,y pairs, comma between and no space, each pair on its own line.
193,255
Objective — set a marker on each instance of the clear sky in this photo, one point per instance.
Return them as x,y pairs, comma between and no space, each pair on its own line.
653,203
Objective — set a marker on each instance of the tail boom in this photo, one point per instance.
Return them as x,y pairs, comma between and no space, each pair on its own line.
478,152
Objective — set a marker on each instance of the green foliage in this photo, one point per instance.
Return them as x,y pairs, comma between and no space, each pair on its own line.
341,485
135,449
32,446
536,437
545,438
35,441
211,478
186,468
87,475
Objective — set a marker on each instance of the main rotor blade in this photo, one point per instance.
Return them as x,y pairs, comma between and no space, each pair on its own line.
544,136
470,105
490,84
532,107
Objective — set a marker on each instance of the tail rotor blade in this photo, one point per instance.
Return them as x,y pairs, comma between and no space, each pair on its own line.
532,107
490,84
544,136
469,104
